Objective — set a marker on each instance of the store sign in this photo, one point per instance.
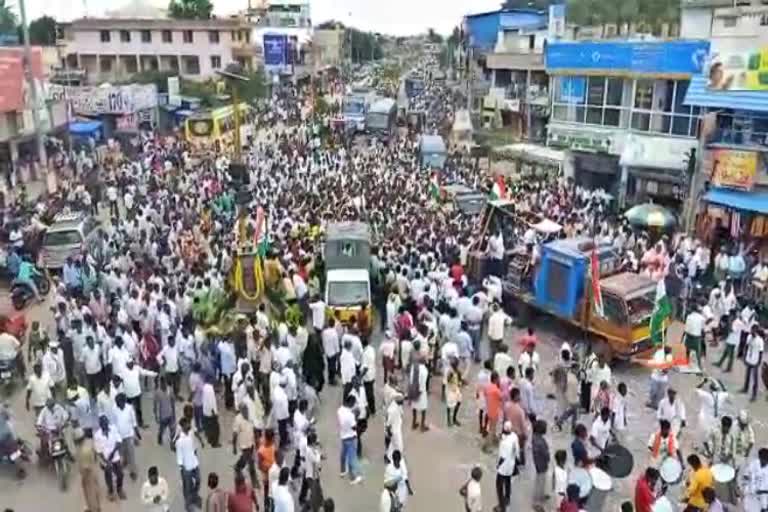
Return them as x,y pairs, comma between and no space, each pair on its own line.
121,99
733,168
128,123
582,140
656,152
739,70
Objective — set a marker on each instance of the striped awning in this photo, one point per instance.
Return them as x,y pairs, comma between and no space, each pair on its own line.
699,95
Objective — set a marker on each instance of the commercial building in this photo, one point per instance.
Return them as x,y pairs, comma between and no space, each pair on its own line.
618,109
730,194
112,49
284,33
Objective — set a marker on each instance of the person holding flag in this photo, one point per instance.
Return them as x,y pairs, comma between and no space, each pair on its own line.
499,189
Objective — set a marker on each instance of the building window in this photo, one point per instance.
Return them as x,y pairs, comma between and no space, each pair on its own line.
247,34
105,65
125,36
233,35
590,100
658,107
191,65
105,36
188,37
146,36
131,66
730,21
167,36
764,20
213,36
215,62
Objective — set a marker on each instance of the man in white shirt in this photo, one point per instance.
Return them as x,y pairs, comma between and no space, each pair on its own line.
132,387
347,421
106,443
186,459
53,365
154,492
91,359
368,368
282,499
281,411
502,360
694,332
473,500
128,429
673,411
169,361
752,359
317,306
497,321
348,366
389,499
509,453
39,388
600,433
210,413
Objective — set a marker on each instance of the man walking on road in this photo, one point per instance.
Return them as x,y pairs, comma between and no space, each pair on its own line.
186,459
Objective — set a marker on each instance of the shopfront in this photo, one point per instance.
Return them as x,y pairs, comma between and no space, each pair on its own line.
594,153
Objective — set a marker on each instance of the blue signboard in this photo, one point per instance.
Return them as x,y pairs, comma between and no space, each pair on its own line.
572,89
275,49
678,57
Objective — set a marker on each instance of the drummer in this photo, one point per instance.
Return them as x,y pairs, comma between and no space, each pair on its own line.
699,479
601,431
645,490
673,411
720,446
756,483
663,444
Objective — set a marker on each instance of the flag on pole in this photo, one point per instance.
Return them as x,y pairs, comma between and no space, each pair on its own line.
499,189
597,295
434,186
661,311
260,237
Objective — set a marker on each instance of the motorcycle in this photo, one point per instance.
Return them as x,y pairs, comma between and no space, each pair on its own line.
17,453
22,295
54,452
8,372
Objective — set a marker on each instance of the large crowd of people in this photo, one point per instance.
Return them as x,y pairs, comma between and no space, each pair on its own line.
131,339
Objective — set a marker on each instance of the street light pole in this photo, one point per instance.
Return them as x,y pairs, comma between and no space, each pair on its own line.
41,154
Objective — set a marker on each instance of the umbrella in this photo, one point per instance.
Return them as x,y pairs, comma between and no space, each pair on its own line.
650,215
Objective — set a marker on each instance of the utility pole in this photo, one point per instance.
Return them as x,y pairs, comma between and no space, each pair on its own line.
41,155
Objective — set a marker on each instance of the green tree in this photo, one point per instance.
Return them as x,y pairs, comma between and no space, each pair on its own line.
190,9
8,19
42,31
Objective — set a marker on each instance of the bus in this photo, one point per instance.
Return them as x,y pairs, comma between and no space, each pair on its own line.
214,129
381,119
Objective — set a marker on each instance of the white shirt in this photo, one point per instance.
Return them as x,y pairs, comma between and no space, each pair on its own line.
282,499
169,356
502,361
331,343
347,423
125,421
279,403
40,389
185,452
755,347
53,365
105,444
671,412
149,492
474,497
694,324
601,431
369,364
209,400
318,314
91,359
509,451
526,361
132,380
348,366
496,323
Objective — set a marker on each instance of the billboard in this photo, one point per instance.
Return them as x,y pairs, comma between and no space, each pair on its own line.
13,86
275,49
733,168
621,58
556,25
739,71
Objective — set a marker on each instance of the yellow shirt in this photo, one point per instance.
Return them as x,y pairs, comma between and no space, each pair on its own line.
700,480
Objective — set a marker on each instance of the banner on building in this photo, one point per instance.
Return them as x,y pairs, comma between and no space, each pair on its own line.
739,71
119,99
734,168
275,49
14,89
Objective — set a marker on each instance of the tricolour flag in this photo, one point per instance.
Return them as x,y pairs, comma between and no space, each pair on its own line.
661,311
260,236
434,187
499,189
597,295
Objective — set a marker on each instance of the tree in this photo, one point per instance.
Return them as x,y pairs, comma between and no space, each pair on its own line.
42,31
190,9
434,37
8,19
652,14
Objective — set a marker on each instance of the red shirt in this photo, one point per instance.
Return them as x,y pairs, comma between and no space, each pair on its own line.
457,271
644,496
241,500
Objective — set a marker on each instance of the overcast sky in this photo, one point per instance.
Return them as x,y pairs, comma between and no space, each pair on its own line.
400,17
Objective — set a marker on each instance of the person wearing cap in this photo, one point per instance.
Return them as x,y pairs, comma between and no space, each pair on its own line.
745,437
506,465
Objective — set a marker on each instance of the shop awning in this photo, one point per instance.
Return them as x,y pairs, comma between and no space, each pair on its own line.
84,128
738,199
700,95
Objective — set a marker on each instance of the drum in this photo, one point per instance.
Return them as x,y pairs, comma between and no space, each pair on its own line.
617,461
602,483
671,471
725,482
582,478
662,504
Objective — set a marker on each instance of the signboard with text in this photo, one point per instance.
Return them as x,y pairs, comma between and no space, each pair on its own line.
734,168
13,86
739,71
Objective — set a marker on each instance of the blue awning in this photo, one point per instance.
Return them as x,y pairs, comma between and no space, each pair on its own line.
738,199
84,127
699,95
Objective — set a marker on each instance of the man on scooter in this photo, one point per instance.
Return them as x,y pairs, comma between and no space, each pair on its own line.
26,276
9,444
50,423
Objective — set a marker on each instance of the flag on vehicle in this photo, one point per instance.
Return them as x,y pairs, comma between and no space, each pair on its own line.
597,295
499,189
434,187
661,311
260,237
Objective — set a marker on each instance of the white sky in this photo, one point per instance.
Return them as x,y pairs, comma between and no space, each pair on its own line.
399,17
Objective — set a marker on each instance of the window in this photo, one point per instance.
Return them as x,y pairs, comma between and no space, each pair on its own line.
215,62
105,36
730,21
658,107
105,65
131,65
167,36
146,36
188,37
233,35
247,36
614,309
764,20
191,65
592,100
125,36
213,36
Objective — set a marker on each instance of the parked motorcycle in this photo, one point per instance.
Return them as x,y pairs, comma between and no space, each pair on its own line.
22,295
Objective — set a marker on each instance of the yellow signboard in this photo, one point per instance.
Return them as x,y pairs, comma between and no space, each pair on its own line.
740,71
732,168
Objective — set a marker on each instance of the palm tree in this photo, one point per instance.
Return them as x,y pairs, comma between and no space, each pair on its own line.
8,19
